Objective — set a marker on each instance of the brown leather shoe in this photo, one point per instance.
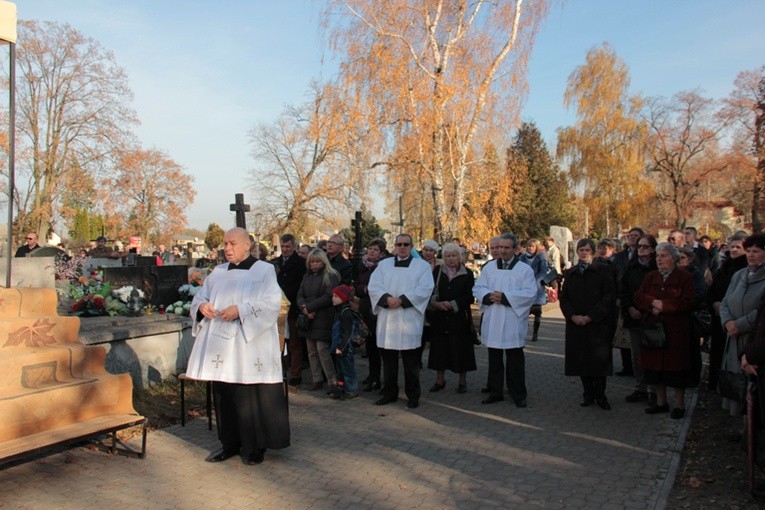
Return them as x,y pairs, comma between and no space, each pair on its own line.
315,386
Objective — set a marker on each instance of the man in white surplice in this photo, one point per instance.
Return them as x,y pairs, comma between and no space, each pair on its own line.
505,291
237,347
399,290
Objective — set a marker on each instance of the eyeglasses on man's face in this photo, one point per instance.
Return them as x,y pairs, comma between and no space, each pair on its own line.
646,246
402,244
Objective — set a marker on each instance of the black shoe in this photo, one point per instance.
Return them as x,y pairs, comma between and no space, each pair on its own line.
656,409
255,458
637,396
437,387
462,388
603,404
371,386
677,413
413,404
587,401
220,456
385,400
625,373
485,389
492,399
521,402
295,381
366,381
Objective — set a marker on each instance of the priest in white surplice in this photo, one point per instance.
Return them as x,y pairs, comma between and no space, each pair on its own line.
237,347
399,290
505,291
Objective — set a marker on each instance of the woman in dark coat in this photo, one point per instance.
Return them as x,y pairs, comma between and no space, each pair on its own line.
451,346
315,301
668,295
586,300
734,261
376,251
638,266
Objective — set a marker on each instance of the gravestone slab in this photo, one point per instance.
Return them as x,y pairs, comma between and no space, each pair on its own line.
168,279
30,272
137,277
145,261
96,262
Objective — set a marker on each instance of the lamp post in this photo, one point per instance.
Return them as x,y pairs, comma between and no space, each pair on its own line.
8,34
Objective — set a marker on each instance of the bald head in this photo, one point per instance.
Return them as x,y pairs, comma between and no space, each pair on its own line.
236,245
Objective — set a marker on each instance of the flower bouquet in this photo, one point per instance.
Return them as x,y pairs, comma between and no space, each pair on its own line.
90,297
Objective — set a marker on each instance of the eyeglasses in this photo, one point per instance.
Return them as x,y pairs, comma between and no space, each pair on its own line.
402,244
646,246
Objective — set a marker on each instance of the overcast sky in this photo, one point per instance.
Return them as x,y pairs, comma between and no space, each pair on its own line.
204,73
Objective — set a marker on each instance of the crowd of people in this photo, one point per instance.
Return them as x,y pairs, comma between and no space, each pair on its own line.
658,303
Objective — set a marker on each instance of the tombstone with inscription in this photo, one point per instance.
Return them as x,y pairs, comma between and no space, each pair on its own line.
134,276
167,281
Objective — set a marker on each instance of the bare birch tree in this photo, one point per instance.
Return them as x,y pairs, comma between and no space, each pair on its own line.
432,75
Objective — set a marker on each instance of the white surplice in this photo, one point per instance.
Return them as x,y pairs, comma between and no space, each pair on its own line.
504,327
245,350
401,328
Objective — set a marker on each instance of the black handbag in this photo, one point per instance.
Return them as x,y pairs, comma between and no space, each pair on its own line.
652,335
701,322
303,323
732,385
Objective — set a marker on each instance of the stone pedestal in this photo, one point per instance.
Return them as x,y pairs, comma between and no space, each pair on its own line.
48,379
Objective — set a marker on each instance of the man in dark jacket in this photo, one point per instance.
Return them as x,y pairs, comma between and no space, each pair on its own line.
335,247
290,268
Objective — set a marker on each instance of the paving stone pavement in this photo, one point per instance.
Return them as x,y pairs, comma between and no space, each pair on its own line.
451,452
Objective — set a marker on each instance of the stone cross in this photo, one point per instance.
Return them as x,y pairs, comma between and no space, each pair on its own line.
240,207
217,361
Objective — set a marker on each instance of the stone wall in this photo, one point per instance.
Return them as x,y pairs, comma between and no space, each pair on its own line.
149,348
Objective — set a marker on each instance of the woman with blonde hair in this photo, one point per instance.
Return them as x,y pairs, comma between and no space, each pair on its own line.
315,303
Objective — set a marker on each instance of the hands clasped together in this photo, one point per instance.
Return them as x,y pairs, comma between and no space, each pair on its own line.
229,313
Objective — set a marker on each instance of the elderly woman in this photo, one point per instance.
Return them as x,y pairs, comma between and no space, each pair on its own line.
667,295
376,250
430,252
315,302
586,300
451,341
733,261
634,274
686,263
536,259
738,309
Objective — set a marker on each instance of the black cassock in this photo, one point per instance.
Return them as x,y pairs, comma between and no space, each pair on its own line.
251,417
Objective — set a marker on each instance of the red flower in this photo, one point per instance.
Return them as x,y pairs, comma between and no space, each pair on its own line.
77,305
98,301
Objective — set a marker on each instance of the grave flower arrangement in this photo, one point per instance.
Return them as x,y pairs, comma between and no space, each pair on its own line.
90,297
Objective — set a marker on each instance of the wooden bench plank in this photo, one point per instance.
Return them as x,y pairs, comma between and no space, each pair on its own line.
89,428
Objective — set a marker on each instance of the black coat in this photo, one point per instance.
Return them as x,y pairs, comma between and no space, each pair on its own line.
289,275
451,340
592,293
318,298
631,281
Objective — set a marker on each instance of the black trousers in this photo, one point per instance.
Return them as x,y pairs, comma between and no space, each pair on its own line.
251,417
594,387
374,355
411,361
514,373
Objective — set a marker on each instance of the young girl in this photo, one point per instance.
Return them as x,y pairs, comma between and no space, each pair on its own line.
342,347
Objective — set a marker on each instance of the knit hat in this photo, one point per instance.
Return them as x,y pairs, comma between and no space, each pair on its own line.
430,243
344,292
